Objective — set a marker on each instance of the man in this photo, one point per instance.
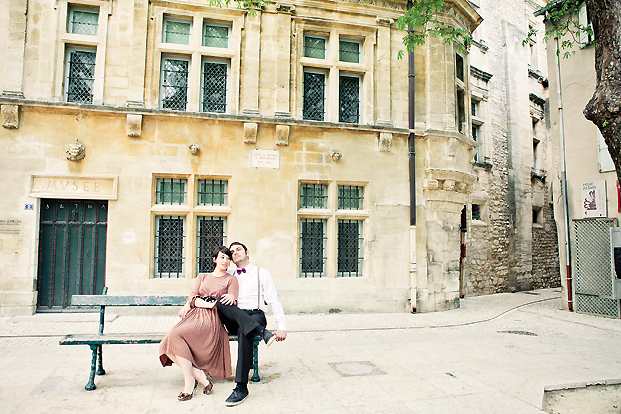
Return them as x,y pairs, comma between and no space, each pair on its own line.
247,319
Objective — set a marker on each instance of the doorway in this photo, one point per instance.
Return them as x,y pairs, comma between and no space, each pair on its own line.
72,251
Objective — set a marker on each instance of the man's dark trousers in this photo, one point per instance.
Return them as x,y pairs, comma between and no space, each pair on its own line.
243,322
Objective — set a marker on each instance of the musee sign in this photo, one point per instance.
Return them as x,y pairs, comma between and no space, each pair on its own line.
91,188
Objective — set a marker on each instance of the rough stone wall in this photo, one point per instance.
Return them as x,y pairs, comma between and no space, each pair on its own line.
546,270
504,250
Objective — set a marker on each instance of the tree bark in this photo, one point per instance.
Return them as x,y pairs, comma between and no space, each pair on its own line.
604,108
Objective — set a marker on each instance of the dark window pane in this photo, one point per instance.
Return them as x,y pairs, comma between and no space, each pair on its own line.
349,51
169,240
210,234
81,75
212,192
350,197
313,196
315,47
215,36
312,247
170,191
314,96
349,99
175,84
214,87
349,260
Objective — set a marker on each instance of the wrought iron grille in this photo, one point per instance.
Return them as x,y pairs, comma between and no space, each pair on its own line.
170,191
80,77
349,252
210,234
315,47
177,32
169,239
350,197
349,99
215,36
593,268
214,87
314,96
312,247
175,84
349,51
314,196
212,192
84,22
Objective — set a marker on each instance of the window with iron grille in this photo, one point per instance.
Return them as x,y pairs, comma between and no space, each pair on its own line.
313,196
174,88
212,192
349,255
350,197
83,21
170,191
314,96
169,246
80,75
315,47
312,247
210,234
214,87
349,51
349,98
177,31
215,35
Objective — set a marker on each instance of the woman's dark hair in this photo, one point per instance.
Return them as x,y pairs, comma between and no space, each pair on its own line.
224,250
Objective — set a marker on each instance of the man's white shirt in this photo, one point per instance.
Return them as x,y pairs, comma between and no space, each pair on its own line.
248,290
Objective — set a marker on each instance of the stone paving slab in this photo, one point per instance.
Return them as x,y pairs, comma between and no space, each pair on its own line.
495,354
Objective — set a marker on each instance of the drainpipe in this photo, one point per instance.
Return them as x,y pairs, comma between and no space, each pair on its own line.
559,99
411,125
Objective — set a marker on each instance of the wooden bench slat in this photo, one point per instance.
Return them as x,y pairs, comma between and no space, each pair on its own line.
105,300
117,338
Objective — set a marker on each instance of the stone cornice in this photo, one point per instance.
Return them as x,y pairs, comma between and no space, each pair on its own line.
63,107
478,73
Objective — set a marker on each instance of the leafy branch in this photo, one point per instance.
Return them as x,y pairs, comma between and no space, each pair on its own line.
420,22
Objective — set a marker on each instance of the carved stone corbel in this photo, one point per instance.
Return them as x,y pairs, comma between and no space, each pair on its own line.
282,135
10,116
381,21
134,125
384,142
285,8
250,132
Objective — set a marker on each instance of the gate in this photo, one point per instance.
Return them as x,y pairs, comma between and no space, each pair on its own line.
593,273
72,251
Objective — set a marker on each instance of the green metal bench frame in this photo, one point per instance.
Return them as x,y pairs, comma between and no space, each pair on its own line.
96,341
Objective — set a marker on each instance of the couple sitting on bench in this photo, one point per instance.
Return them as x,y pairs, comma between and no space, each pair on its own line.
199,343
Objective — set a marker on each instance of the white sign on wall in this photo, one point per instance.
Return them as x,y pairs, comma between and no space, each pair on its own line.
593,199
265,159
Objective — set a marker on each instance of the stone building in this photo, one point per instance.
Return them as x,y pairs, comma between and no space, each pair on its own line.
137,135
509,228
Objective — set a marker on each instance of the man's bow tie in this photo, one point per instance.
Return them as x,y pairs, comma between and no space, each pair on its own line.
240,271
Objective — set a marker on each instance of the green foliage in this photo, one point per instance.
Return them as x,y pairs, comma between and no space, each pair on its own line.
420,22
566,26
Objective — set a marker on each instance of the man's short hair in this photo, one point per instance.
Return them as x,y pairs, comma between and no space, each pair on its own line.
240,244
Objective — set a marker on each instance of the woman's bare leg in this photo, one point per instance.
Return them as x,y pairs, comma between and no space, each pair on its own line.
187,369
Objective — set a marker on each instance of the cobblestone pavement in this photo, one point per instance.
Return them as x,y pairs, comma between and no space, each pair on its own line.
495,354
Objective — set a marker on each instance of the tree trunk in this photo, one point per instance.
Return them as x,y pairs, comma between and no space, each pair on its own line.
604,108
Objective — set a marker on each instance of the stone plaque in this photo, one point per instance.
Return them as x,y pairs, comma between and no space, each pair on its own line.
10,226
88,188
265,159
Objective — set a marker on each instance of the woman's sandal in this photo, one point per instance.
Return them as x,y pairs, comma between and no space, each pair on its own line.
208,388
184,396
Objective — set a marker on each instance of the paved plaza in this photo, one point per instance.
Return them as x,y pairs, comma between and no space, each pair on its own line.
496,354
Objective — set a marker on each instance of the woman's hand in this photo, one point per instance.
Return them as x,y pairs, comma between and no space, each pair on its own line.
184,310
201,303
227,299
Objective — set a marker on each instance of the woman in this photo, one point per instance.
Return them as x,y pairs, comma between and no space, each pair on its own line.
199,343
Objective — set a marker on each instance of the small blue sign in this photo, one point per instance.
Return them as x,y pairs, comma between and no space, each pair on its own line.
28,206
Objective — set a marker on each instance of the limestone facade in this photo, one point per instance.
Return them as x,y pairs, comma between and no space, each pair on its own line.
510,231
136,134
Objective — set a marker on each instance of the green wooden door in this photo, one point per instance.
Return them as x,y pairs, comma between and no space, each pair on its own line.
72,251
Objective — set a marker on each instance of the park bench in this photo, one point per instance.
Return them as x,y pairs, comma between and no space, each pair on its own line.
97,340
